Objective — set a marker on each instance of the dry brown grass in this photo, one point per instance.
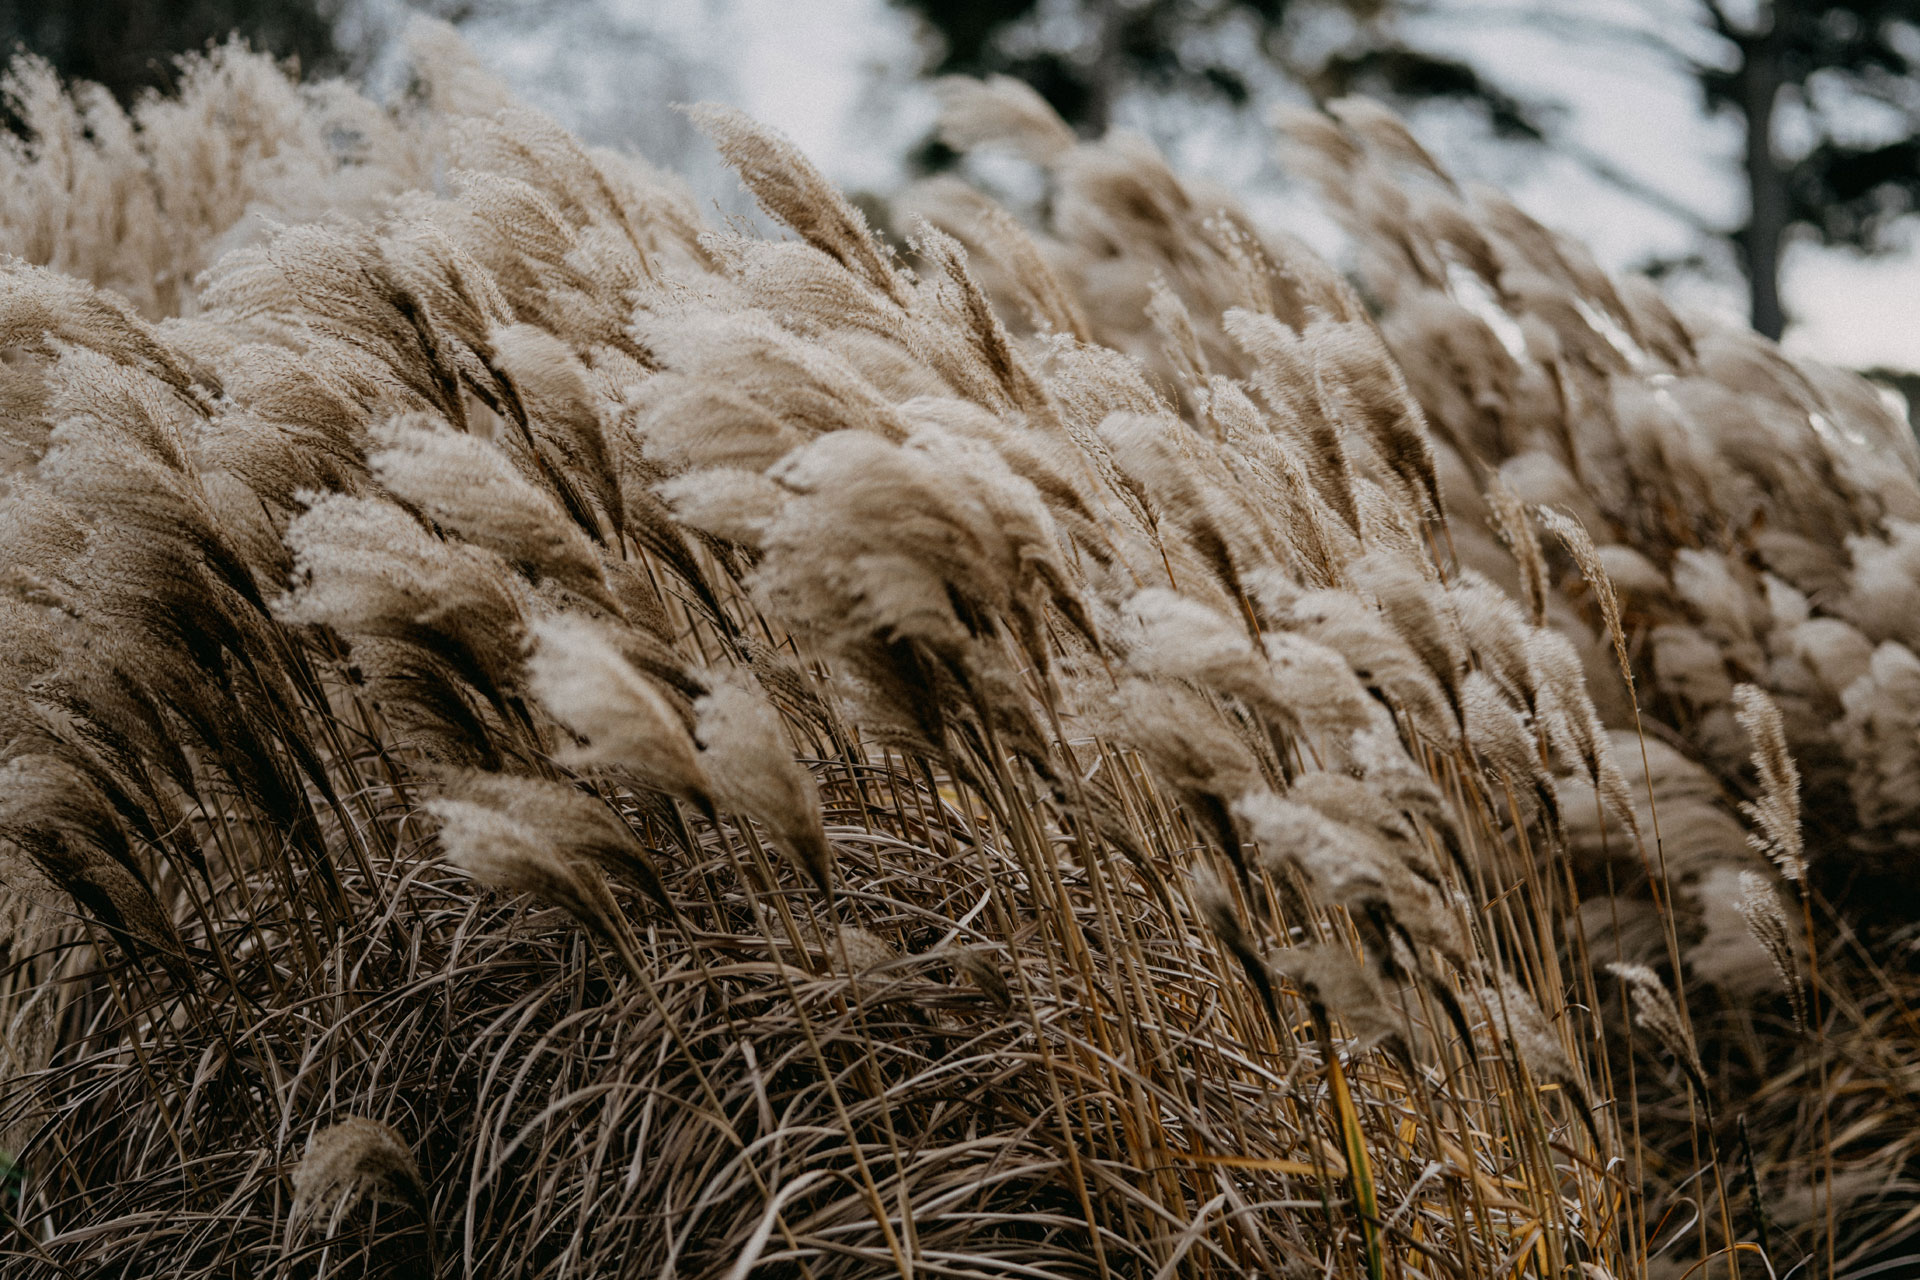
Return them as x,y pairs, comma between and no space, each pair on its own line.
546,739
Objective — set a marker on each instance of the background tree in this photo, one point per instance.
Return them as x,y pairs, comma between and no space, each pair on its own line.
1835,64
1828,93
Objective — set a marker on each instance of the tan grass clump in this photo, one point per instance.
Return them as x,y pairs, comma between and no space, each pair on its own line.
1057,749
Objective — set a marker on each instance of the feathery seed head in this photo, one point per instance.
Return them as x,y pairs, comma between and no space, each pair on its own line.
1654,1010
354,1159
744,751
580,675
1767,921
1777,811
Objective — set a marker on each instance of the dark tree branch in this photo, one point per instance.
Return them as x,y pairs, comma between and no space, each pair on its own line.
1574,26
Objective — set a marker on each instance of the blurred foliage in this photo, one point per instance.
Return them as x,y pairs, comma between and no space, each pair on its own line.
1085,55
1834,65
1849,184
130,45
1852,69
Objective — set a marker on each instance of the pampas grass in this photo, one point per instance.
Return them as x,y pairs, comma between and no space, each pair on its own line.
963,749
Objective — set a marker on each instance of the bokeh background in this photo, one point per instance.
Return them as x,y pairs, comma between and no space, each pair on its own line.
1761,158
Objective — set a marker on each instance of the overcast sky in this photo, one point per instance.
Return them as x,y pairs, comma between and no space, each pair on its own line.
837,76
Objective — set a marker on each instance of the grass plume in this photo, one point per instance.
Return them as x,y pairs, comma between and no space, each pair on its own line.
1073,760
